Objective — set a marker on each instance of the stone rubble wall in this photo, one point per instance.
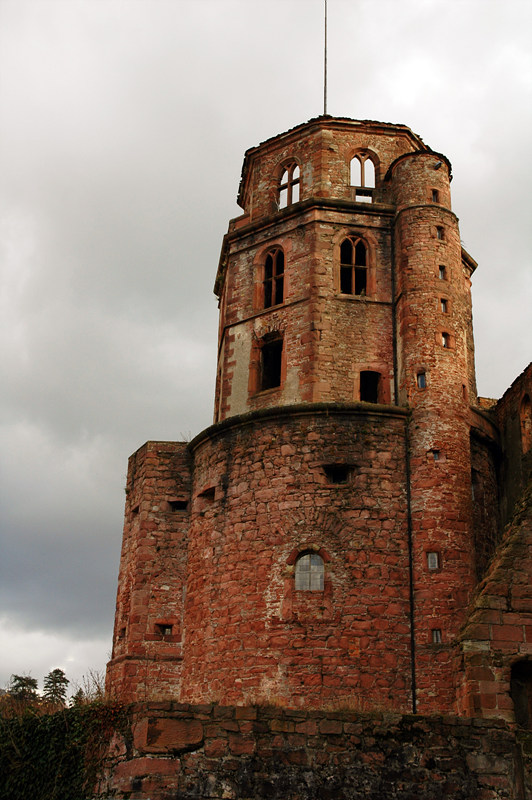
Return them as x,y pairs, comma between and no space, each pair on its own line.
208,751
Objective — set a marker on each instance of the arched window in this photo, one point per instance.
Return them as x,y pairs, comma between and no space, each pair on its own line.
289,185
362,175
525,414
309,573
273,280
353,266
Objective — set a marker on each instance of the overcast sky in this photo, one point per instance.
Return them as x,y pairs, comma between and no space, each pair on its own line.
123,128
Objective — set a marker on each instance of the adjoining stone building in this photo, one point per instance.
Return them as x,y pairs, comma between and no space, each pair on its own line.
336,536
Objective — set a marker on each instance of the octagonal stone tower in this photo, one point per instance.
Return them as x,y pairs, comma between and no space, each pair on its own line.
317,543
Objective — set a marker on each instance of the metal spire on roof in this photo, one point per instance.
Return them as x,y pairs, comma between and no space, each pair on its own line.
325,66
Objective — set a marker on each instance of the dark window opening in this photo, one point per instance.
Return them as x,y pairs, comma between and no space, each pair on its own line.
122,633
434,454
440,233
353,267
445,340
436,636
163,629
208,494
271,358
369,386
273,278
338,473
289,186
444,305
421,379
442,272
135,510
309,573
435,196
177,505
521,693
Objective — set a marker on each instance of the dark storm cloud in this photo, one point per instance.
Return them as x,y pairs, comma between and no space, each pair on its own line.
123,130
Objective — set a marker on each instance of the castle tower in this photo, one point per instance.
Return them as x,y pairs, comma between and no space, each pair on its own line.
326,550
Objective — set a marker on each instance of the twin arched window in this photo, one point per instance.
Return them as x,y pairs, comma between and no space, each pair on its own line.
309,573
362,171
289,185
353,266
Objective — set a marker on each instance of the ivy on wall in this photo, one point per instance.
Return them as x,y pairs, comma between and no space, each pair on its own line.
57,756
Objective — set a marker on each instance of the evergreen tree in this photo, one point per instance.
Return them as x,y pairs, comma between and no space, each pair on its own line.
55,687
23,688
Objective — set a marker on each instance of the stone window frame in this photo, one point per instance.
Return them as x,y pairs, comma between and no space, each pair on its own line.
300,575
355,235
363,190
300,605
384,395
260,297
291,185
256,367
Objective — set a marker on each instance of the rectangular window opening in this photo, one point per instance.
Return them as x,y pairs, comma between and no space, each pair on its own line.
435,196
421,380
444,305
442,272
369,386
364,196
436,636
338,473
271,359
360,280
433,560
445,340
163,629
440,233
346,280
177,505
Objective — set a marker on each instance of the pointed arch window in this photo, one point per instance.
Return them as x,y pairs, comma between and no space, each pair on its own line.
353,266
289,185
273,280
309,573
362,176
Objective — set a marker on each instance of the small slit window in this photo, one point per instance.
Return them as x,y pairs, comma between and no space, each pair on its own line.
309,573
435,196
353,266
271,361
440,233
436,636
289,185
369,386
445,340
421,379
442,273
273,281
433,561
444,305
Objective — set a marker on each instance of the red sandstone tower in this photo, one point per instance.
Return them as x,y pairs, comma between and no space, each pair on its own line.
318,543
